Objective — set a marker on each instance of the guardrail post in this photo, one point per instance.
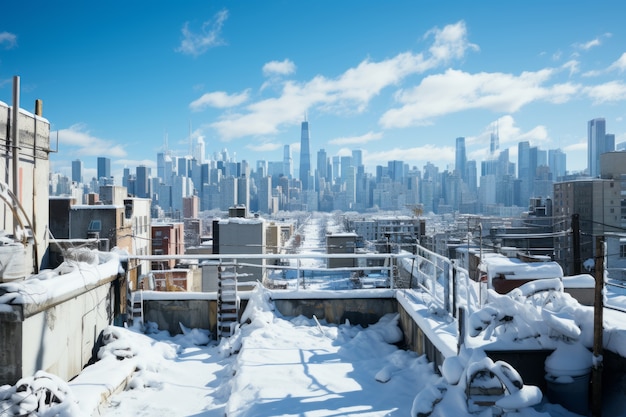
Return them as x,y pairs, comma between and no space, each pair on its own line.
461,332
454,288
446,285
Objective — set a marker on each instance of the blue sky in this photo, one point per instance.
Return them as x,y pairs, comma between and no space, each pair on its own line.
398,79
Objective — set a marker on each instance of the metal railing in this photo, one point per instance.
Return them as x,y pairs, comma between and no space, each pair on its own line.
448,284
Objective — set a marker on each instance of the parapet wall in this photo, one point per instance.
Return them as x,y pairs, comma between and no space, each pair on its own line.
60,338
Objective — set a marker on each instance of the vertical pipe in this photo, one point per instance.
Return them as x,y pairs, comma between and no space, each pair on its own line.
576,243
15,112
454,289
38,112
460,342
598,329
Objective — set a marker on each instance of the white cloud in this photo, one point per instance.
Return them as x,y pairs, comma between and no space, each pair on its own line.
619,65
588,45
349,92
455,91
576,147
219,99
210,36
509,132
78,136
509,135
573,66
450,42
8,40
585,46
285,67
134,163
608,92
354,140
265,147
438,155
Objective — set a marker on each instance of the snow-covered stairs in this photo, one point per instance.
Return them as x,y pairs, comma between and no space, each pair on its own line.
227,300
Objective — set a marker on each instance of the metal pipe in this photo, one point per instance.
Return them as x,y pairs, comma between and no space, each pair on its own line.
38,112
15,112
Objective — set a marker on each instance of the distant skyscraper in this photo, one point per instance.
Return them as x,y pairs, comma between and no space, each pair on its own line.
305,157
142,184
336,166
357,158
460,159
243,191
104,167
557,161
198,149
322,169
125,178
598,142
494,144
396,170
346,165
526,172
77,171
287,162
471,175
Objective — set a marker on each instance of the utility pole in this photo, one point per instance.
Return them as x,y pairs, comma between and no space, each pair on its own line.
598,307
576,243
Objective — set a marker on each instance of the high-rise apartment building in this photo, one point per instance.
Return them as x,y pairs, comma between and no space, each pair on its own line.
243,191
198,150
77,171
104,167
287,162
396,170
526,172
321,175
597,202
557,161
460,159
142,182
598,142
305,157
357,158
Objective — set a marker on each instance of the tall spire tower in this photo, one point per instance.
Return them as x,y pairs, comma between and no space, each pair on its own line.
495,140
305,156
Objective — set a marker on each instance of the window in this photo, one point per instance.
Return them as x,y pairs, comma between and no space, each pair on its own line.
95,226
622,250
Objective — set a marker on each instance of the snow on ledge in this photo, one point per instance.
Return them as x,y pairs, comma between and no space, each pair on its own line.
88,269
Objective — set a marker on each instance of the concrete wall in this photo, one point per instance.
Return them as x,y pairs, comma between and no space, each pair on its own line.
199,310
59,337
191,313
361,311
417,341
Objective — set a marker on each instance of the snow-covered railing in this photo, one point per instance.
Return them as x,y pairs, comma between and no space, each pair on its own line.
447,283
388,260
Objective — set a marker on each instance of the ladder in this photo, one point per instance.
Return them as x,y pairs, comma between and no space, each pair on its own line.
227,300
136,309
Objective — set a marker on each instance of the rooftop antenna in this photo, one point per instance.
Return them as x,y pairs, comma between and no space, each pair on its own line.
165,150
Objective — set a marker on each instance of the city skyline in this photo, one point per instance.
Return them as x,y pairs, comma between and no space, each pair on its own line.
244,76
